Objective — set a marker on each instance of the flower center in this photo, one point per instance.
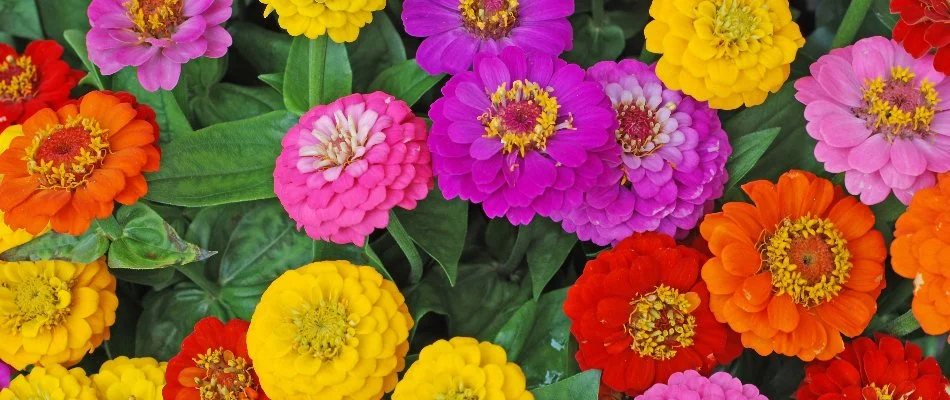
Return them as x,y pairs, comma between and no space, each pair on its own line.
64,155
38,302
873,392
661,322
461,392
523,117
735,25
220,375
809,260
156,18
341,139
898,108
489,19
322,331
18,78
640,131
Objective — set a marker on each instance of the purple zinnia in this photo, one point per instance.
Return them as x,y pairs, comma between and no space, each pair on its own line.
690,385
879,116
156,36
669,166
456,31
517,135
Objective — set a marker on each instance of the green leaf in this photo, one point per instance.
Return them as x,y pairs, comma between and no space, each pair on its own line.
84,248
62,15
406,81
514,333
198,76
156,278
882,10
546,357
223,163
148,242
228,102
853,18
631,21
170,315
438,226
274,80
77,41
583,386
20,18
263,244
266,50
746,153
407,245
549,248
593,43
377,48
168,113
375,262
318,72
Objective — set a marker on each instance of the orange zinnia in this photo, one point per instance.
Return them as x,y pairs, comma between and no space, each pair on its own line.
797,269
67,167
921,251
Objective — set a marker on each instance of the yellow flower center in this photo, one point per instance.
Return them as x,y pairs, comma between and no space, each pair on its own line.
489,19
156,18
461,392
737,25
322,331
661,322
64,155
220,375
18,78
38,302
809,260
882,393
523,117
896,107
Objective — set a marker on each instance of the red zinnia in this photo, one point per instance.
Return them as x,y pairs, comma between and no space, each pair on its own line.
640,313
924,25
213,364
875,370
34,80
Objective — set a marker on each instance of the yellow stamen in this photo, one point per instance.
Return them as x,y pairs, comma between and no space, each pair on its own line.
492,19
84,159
155,17
815,275
17,79
524,93
324,329
661,322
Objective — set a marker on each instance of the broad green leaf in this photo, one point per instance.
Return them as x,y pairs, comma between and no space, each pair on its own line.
274,80
20,18
266,50
77,41
84,248
158,279
227,102
263,244
746,153
148,242
211,229
170,315
223,163
438,226
631,21
514,333
882,10
546,357
318,72
407,246
406,81
198,76
377,48
500,237
583,386
593,43
169,115
62,15
549,247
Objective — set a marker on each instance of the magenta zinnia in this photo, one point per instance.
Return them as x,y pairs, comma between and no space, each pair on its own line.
346,164
693,386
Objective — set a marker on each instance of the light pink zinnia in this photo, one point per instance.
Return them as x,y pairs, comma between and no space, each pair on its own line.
690,385
346,164
156,36
879,116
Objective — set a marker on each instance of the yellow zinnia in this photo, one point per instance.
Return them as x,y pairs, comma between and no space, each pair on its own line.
329,330
52,382
8,237
341,19
54,312
729,52
463,368
126,378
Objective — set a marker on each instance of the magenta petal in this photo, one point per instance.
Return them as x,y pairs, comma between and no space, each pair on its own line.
485,148
539,10
423,19
432,51
870,155
136,55
195,7
159,72
190,30
218,41
183,52
218,13
493,73
906,158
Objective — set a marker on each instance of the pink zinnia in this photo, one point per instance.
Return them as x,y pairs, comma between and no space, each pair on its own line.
346,164
879,116
156,36
690,385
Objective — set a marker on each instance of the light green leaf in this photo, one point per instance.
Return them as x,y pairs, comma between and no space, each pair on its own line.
407,245
20,18
318,72
228,102
406,81
549,248
148,242
266,50
746,153
514,333
438,226
274,80
61,15
264,244
583,386
546,356
77,41
84,248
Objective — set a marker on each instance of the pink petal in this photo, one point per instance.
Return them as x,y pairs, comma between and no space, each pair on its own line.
870,155
843,130
906,158
870,186
837,77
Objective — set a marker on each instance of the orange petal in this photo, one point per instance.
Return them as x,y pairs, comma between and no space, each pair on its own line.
717,279
820,195
104,184
902,259
869,247
783,314
745,216
108,110
762,346
765,196
726,234
852,218
39,121
741,259
16,190
135,188
67,111
135,134
931,321
866,275
848,313
153,156
755,293
44,202
12,164
833,346
129,161
792,188
67,220
105,209
739,320
783,344
22,218
810,335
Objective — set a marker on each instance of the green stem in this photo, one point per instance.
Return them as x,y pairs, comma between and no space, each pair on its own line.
518,251
902,325
196,276
597,11
853,19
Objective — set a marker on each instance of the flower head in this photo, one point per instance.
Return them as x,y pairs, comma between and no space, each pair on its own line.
341,19
796,269
330,330
156,36
51,382
879,117
518,135
456,31
879,369
34,80
54,312
346,164
924,24
68,167
920,241
729,52
640,313
214,362
6,372
462,369
124,378
691,385
670,165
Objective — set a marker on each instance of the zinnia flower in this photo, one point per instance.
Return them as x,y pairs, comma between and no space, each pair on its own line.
341,19
879,117
924,24
463,368
330,330
54,312
693,386
797,269
51,382
669,169
6,372
880,369
729,52
640,313
456,31
124,378
518,135
34,80
213,362
346,164
70,166
919,252
156,36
